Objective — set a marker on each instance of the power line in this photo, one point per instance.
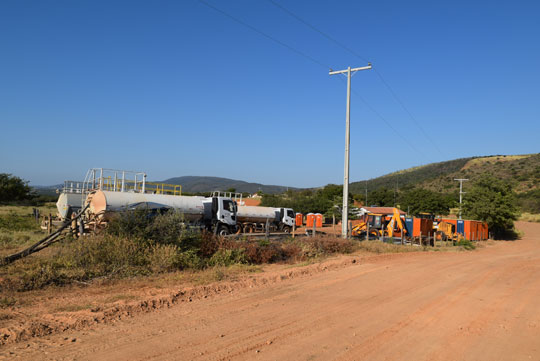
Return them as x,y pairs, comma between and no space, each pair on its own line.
407,111
312,59
317,30
386,122
341,45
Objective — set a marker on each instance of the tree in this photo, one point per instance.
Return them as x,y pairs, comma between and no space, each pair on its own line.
382,197
492,200
421,200
13,189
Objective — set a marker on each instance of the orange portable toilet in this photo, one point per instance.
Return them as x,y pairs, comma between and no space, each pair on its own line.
299,219
310,218
318,220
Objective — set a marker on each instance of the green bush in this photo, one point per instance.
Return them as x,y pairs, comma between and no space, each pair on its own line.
466,244
228,257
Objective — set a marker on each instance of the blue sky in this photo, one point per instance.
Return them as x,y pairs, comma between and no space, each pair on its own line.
175,88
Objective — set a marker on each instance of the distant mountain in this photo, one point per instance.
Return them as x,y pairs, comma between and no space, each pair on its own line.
194,184
522,170
47,190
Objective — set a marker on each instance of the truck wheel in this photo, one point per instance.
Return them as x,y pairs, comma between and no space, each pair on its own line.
287,229
223,231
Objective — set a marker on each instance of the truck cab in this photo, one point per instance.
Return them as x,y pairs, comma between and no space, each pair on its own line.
224,213
287,218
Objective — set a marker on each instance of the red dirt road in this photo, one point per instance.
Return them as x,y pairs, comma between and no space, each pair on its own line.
480,305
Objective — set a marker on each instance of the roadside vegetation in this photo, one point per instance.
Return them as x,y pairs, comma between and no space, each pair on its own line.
139,244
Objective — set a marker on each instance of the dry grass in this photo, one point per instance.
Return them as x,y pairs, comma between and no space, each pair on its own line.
381,247
530,217
501,158
73,307
27,210
18,228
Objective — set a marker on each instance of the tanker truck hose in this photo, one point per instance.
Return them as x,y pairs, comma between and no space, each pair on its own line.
45,242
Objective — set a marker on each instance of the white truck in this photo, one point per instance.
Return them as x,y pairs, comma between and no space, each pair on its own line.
216,214
254,219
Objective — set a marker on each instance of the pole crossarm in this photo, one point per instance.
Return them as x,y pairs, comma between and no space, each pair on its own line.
334,72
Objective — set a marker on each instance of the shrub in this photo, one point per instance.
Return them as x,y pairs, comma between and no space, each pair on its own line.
263,252
162,258
228,257
466,244
189,260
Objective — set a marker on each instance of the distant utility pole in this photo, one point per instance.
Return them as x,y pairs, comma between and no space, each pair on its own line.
345,214
461,180
366,195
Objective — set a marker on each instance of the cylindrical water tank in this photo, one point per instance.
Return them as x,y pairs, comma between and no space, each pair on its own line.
68,203
257,214
102,203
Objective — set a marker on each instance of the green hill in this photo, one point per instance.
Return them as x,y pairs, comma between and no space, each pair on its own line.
522,170
195,184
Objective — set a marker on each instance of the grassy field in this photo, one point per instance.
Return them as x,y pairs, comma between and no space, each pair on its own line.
18,227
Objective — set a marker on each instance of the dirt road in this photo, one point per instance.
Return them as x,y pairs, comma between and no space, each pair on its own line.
480,305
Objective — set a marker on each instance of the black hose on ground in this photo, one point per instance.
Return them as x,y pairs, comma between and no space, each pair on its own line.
45,242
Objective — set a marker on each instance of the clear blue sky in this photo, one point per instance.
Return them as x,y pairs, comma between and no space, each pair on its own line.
175,88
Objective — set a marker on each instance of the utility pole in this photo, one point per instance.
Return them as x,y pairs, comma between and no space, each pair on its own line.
461,180
366,195
345,214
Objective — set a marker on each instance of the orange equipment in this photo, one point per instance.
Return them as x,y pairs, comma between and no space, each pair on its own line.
375,223
396,223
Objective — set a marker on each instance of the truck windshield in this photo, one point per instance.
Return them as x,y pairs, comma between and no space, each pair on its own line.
290,213
228,205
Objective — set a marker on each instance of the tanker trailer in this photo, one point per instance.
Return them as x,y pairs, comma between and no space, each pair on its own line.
254,218
216,214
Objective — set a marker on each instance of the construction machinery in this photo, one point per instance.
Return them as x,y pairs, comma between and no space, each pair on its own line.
371,224
396,225
445,231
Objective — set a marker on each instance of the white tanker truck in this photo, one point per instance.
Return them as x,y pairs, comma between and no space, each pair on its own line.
254,218
216,214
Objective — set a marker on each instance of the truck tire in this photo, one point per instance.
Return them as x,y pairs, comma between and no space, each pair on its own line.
287,229
222,230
